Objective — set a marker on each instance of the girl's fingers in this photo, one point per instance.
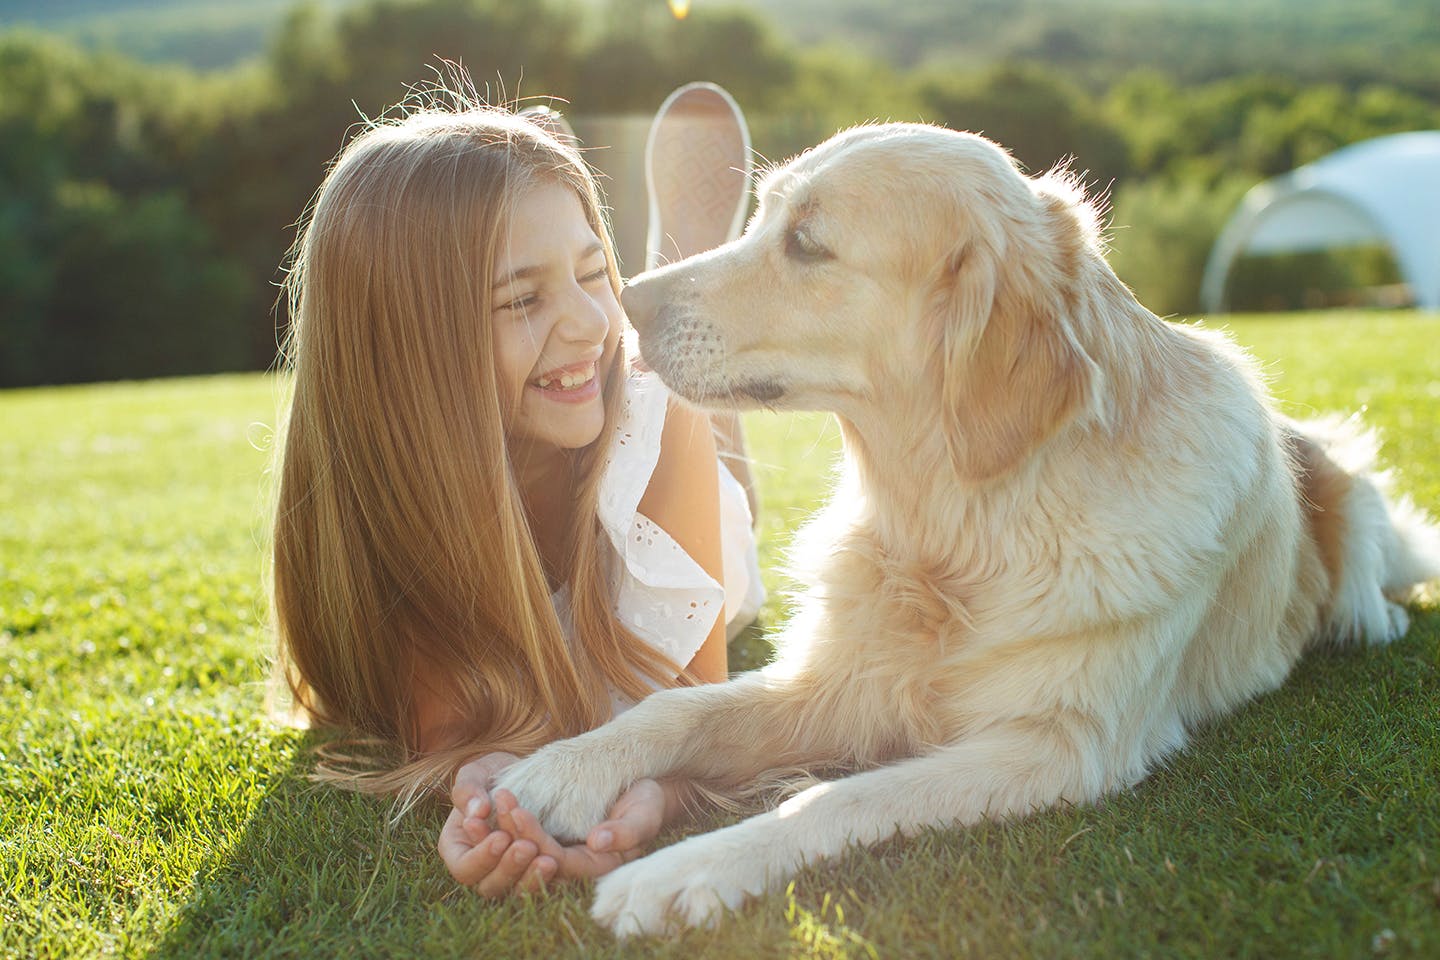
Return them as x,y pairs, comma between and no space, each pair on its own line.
469,863
527,825
572,862
559,862
470,785
630,831
607,836
580,862
473,817
504,802
502,880
539,875
635,820
454,843
506,808
473,780
523,823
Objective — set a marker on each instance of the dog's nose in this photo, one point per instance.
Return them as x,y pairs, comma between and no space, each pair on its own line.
638,299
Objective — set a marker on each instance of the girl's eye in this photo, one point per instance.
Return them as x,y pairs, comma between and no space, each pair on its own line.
520,303
602,274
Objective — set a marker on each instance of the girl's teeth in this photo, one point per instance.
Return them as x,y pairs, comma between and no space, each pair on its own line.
567,381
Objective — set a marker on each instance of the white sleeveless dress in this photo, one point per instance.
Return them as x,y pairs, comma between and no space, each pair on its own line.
661,594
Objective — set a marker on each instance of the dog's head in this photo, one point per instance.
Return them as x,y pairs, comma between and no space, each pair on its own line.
901,268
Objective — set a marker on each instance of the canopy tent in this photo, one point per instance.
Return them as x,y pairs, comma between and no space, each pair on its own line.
1385,190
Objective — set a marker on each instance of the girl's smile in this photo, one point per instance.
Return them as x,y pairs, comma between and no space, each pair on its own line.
556,323
573,384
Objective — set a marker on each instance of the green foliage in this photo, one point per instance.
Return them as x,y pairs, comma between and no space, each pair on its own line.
1343,277
641,53
1195,152
108,271
149,809
1040,117
831,88
1161,231
1258,124
134,292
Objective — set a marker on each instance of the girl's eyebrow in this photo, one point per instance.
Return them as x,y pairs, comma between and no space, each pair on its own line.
527,272
521,274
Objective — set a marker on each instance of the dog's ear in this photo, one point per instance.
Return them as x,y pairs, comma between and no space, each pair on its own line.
1014,373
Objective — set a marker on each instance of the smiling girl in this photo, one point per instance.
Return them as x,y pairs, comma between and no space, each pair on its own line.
491,532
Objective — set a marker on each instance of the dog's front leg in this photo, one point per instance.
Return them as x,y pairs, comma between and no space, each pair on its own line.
726,731
1006,771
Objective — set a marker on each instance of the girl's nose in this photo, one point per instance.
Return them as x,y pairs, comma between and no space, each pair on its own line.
585,319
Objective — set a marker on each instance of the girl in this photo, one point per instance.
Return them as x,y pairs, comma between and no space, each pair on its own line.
490,531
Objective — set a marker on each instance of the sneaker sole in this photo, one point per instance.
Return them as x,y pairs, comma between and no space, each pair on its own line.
697,168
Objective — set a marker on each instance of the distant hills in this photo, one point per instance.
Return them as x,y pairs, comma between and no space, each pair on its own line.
1353,42
205,34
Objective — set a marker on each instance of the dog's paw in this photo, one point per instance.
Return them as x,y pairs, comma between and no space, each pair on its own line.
1397,625
691,884
569,788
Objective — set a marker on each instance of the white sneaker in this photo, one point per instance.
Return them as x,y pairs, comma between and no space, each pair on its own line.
697,173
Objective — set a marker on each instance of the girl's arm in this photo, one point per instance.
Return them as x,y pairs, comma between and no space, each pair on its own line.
683,499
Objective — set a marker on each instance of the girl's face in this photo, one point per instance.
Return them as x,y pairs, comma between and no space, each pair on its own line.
556,322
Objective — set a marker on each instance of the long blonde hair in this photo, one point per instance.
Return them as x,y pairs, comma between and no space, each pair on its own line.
400,537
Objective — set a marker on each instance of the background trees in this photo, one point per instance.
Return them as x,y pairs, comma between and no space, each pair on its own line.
146,208
107,269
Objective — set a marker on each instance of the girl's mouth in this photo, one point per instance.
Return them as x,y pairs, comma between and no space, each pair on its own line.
569,384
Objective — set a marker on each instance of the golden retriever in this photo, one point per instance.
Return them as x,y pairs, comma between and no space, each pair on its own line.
1067,531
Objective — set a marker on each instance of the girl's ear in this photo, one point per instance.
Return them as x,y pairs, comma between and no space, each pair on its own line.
1014,373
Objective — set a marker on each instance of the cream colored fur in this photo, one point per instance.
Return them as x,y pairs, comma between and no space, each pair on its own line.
1067,532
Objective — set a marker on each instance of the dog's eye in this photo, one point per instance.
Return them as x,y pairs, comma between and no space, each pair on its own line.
800,246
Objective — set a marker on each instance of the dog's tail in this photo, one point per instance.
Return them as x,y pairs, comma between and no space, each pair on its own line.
1377,545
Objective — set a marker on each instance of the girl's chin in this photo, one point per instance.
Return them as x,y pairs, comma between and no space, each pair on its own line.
565,432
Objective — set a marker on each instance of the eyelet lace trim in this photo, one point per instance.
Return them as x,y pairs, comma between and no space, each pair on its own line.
661,594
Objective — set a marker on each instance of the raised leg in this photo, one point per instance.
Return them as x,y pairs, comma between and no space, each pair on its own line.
697,175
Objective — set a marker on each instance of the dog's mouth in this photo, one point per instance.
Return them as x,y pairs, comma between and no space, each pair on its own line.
762,392
690,355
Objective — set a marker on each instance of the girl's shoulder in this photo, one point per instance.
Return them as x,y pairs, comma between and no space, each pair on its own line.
661,593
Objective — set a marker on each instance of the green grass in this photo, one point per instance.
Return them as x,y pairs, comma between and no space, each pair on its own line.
147,807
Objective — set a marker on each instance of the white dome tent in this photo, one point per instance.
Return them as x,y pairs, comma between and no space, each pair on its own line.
1385,190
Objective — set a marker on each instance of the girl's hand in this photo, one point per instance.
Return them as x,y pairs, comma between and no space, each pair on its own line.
634,821
494,863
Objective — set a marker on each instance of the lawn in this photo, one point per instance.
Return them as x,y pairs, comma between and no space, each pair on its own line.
148,808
